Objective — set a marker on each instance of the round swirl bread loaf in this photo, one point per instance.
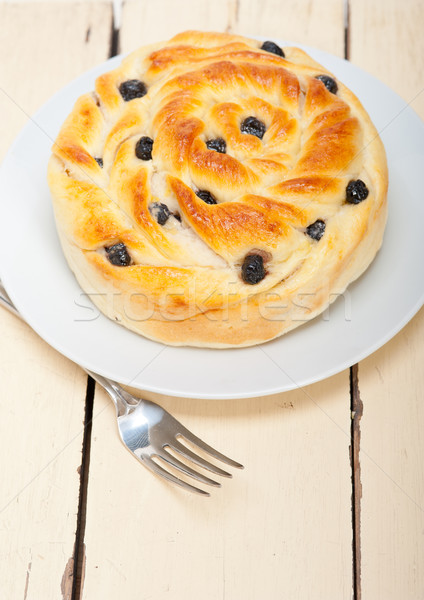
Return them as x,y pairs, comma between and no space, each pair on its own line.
216,191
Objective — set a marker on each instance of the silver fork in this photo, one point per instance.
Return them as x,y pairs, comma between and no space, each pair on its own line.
154,436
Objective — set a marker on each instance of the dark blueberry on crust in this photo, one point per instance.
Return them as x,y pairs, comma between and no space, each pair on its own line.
143,148
160,212
99,161
133,88
329,83
206,196
273,48
253,126
316,230
356,191
253,270
118,255
218,144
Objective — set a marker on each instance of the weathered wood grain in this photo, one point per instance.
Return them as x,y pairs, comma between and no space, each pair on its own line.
282,527
146,22
386,40
42,394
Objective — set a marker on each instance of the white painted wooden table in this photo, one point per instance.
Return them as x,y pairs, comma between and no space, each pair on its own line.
330,505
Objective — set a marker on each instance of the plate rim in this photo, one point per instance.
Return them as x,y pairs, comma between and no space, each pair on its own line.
339,367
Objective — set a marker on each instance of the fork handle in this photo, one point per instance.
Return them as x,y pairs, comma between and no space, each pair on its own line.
121,399
7,302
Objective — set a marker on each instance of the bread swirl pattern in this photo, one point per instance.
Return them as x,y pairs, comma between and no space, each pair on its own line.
200,192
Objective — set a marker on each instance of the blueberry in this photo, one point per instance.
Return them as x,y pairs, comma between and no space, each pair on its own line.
206,196
356,191
133,88
143,148
273,48
160,212
253,270
253,126
329,83
218,144
316,230
118,255
99,161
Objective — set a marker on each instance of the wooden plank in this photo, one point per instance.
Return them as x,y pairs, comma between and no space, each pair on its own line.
386,40
282,527
295,21
392,449
42,47
56,42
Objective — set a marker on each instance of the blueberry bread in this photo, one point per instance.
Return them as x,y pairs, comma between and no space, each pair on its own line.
217,191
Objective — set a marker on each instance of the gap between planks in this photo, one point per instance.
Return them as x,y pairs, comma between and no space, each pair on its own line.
356,408
79,551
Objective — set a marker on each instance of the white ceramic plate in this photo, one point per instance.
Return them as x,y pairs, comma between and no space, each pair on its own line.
373,310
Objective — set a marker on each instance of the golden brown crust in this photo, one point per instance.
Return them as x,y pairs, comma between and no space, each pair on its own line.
184,284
